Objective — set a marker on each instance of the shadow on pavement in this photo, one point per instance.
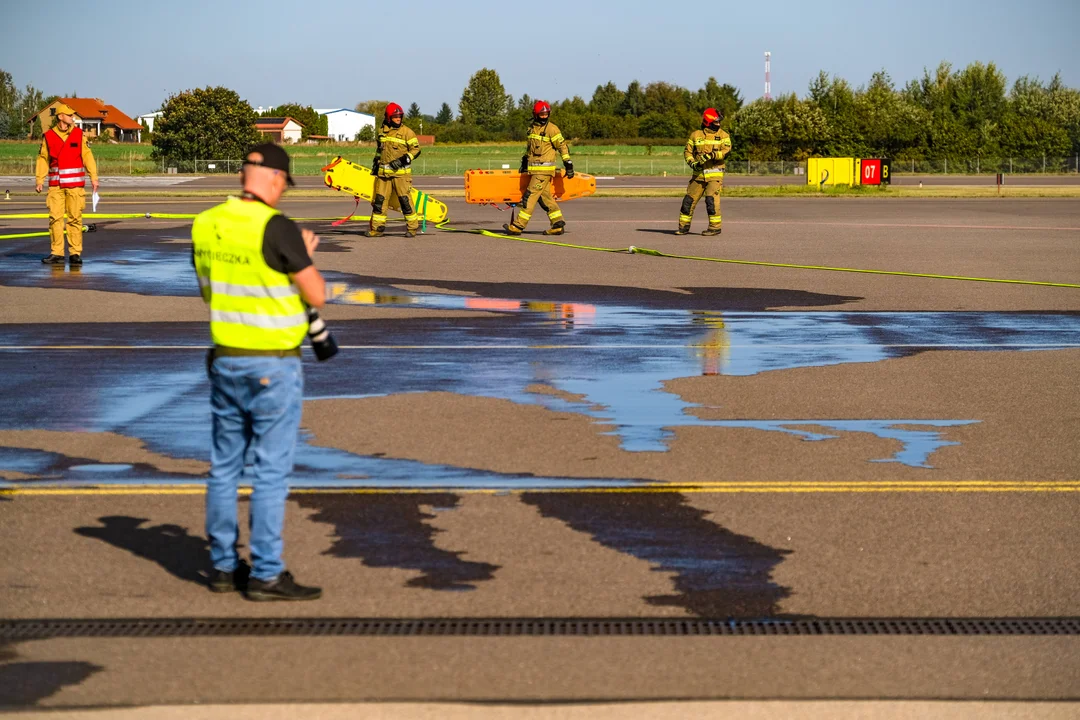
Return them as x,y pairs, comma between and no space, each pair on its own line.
27,683
182,555
718,573
392,531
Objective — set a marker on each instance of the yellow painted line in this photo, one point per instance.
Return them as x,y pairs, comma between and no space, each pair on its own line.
718,488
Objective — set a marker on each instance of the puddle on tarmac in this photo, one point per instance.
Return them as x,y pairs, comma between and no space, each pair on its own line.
154,268
606,361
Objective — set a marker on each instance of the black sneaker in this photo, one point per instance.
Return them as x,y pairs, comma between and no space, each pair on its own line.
75,260
283,587
223,582
53,260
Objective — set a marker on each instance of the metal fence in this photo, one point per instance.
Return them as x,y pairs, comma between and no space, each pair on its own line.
455,161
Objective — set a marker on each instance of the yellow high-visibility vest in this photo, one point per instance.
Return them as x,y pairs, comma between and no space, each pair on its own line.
252,306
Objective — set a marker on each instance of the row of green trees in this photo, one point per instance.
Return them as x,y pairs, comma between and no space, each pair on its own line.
947,113
487,112
17,106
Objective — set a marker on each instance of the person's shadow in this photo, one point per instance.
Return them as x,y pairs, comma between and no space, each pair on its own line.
170,546
28,683
662,231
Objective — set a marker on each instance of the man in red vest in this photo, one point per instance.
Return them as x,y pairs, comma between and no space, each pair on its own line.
65,157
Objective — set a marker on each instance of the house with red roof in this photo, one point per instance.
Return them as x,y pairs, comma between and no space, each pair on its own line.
280,129
94,117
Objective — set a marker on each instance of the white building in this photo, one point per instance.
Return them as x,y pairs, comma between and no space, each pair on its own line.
344,125
149,119
280,129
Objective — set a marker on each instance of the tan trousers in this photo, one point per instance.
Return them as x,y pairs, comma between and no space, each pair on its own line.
699,188
386,188
71,201
538,191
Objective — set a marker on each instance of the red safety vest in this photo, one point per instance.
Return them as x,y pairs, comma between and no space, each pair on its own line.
65,159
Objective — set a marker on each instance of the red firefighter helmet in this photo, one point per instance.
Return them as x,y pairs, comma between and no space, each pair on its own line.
394,110
540,107
711,116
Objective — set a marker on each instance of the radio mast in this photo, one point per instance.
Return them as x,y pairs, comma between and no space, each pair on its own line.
768,81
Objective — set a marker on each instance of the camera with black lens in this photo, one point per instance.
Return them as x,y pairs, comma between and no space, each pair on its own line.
322,342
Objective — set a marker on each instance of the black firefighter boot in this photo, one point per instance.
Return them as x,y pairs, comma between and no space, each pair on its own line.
711,230
683,230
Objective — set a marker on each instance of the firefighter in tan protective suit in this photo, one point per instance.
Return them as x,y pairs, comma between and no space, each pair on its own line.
704,153
66,160
396,149
545,143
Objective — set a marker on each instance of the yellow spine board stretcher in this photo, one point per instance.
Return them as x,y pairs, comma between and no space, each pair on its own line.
493,187
357,180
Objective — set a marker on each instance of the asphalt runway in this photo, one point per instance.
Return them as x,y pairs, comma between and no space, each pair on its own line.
516,430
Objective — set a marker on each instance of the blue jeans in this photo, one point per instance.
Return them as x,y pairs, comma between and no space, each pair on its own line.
256,403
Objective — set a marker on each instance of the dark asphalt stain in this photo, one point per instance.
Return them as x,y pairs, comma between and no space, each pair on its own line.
615,355
181,554
718,573
392,531
28,683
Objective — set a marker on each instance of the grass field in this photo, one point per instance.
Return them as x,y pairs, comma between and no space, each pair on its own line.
17,158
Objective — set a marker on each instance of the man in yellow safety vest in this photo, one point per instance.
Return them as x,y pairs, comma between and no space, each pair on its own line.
256,273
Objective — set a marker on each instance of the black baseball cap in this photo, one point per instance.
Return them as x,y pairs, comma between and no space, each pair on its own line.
273,157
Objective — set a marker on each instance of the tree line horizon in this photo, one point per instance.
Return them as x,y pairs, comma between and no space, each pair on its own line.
947,113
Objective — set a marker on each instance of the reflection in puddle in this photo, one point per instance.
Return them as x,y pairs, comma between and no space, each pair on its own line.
606,361
158,268
392,531
718,573
102,468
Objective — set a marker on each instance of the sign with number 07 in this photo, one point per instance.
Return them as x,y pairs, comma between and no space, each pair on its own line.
875,172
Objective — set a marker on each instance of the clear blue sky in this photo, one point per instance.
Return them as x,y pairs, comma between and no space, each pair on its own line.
334,54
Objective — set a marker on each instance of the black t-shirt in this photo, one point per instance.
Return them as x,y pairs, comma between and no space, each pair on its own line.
283,246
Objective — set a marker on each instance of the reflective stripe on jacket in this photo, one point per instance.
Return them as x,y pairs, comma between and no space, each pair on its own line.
252,306
544,146
65,159
393,144
700,149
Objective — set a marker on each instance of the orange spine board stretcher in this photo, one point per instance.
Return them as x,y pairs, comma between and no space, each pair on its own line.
492,187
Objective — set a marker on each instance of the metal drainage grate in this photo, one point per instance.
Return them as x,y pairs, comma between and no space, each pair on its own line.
15,630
